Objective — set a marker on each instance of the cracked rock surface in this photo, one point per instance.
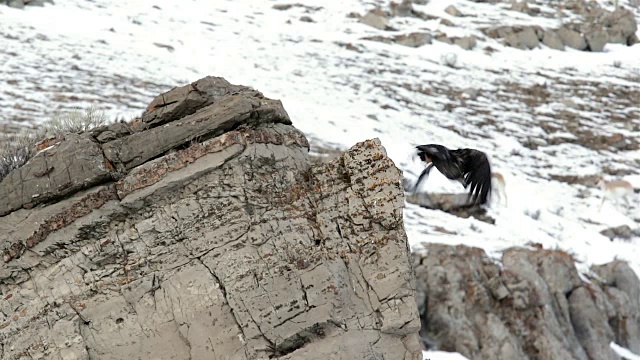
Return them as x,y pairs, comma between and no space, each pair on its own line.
203,231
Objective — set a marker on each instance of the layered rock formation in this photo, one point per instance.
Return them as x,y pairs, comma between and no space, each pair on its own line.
531,305
202,231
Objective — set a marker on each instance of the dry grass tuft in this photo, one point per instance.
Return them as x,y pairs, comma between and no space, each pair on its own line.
16,150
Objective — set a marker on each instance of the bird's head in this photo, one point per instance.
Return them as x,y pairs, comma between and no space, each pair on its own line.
429,153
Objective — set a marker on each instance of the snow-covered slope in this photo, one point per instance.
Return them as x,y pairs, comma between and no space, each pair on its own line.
536,113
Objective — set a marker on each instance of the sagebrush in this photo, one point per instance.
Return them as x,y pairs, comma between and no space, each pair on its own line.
16,150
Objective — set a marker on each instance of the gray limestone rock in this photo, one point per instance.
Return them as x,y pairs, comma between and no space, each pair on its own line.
524,39
571,38
552,40
376,19
596,39
415,39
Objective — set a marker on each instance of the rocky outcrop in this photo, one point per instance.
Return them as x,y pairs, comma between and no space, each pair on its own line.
532,305
521,37
599,28
379,18
203,231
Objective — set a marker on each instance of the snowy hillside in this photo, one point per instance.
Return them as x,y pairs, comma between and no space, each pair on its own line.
541,115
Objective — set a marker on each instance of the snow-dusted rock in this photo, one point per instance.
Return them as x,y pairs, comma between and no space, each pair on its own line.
453,11
525,39
376,18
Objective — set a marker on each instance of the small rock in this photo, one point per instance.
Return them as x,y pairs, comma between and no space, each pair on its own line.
444,38
165,46
622,232
523,7
282,7
106,136
306,19
378,38
466,42
415,39
498,290
453,11
374,19
446,22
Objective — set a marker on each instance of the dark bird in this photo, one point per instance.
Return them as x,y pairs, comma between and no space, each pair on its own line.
469,166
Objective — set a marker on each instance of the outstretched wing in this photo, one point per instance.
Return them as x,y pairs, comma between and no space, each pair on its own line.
477,173
444,159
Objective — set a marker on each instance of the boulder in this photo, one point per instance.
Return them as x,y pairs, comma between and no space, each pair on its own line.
523,6
415,39
553,40
619,24
524,39
376,19
571,38
223,241
596,39
452,10
623,232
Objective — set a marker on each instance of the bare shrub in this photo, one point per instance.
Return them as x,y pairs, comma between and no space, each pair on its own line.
76,121
16,150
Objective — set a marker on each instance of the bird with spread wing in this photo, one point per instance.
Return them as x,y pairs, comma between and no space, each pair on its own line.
469,166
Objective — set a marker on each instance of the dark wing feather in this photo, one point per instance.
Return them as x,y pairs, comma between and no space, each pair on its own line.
477,173
444,160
